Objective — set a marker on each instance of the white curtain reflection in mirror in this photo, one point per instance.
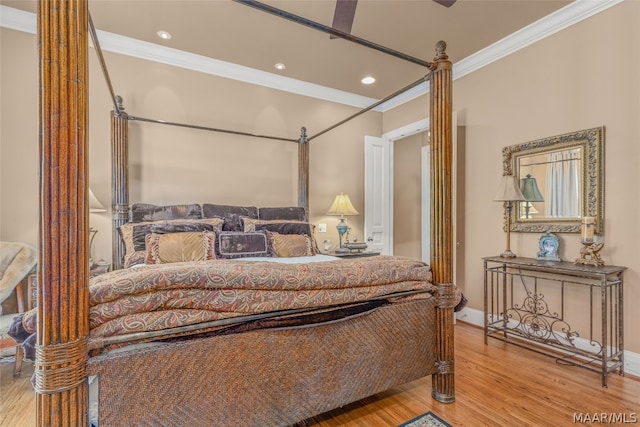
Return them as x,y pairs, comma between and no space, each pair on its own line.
563,195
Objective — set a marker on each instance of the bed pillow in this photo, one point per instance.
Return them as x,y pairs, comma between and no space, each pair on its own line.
180,247
295,213
134,234
238,244
282,227
291,245
278,226
231,214
141,212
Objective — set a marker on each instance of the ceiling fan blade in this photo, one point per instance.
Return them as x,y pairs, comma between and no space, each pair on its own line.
343,15
445,3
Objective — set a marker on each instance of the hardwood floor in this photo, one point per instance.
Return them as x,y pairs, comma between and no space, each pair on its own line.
496,385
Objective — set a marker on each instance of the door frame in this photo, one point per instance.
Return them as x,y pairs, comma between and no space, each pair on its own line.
393,136
409,130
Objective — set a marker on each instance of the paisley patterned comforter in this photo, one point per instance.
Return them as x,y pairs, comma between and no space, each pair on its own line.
158,297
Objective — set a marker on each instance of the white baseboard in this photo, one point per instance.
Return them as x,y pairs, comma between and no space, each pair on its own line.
471,315
476,317
632,363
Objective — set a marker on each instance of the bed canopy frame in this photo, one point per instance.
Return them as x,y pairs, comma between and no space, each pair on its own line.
63,312
119,154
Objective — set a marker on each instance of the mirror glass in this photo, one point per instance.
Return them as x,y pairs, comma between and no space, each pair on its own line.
561,177
551,182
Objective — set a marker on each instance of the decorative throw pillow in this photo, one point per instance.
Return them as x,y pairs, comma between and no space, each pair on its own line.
295,213
232,214
141,212
291,245
278,226
134,234
282,227
180,247
236,244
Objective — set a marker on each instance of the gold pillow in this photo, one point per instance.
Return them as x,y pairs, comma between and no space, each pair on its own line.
180,247
282,226
291,245
134,234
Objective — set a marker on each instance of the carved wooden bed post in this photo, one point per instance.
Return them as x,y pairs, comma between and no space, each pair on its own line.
63,274
303,169
441,218
119,179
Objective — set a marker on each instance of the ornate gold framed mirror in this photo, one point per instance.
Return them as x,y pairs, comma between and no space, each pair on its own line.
562,178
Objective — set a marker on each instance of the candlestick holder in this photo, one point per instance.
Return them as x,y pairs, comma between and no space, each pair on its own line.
590,254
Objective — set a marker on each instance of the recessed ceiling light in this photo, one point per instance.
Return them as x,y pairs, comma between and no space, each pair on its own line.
368,80
164,35
280,66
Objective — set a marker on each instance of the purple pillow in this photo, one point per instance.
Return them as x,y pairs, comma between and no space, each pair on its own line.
238,244
232,215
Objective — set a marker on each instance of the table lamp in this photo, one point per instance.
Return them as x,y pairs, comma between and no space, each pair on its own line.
342,206
508,192
530,191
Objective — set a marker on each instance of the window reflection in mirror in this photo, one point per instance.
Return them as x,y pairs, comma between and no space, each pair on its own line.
552,184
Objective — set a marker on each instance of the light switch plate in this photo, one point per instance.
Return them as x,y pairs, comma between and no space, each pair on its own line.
322,228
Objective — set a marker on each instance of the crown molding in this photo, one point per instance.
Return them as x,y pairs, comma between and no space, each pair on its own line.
563,18
16,19
116,43
20,20
557,21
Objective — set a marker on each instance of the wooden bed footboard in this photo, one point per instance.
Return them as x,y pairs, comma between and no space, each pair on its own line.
271,377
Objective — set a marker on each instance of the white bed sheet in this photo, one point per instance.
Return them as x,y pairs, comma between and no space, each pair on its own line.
295,260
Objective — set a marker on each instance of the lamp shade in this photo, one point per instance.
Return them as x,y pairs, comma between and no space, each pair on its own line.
94,203
529,189
342,206
508,190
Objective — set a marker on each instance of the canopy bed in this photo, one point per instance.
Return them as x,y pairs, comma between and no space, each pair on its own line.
274,367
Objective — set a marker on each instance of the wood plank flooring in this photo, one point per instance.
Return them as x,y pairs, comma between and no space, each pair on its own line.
496,385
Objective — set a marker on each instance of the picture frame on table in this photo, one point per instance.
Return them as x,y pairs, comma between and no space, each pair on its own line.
549,245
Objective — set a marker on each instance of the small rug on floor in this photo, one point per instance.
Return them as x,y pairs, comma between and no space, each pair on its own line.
426,420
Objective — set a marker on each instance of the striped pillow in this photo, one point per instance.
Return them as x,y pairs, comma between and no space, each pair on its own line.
291,245
180,247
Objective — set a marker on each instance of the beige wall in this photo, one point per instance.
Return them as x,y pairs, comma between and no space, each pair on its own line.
178,165
18,137
585,76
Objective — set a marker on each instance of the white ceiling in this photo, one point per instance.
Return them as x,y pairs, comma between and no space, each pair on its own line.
235,33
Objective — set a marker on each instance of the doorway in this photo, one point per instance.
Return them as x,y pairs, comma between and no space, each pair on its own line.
410,188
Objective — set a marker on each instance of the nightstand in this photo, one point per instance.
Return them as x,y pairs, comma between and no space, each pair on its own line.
356,254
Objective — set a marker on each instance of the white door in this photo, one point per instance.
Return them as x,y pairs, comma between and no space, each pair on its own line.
378,194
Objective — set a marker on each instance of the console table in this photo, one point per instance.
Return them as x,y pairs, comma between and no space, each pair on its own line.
531,303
